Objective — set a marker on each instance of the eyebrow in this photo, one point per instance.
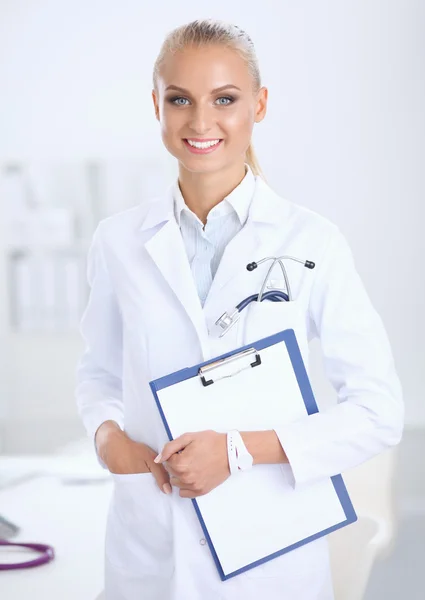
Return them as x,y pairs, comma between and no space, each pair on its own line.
219,89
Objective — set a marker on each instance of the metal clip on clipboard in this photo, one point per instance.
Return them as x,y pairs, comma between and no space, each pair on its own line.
223,362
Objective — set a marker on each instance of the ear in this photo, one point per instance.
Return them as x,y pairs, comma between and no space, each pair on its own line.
261,106
156,104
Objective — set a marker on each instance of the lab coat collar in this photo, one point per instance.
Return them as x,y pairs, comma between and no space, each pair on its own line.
239,199
260,237
266,206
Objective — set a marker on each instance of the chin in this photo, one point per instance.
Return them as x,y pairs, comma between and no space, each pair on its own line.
202,166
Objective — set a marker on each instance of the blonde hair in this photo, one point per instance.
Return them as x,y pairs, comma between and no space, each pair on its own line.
210,31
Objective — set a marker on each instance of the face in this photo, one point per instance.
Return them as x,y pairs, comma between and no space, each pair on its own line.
207,94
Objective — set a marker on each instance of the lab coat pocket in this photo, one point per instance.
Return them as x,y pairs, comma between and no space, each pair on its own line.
261,319
139,536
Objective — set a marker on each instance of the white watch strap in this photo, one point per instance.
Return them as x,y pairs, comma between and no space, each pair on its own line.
231,453
243,457
237,450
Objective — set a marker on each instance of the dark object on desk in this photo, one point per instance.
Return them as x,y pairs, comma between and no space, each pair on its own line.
7,529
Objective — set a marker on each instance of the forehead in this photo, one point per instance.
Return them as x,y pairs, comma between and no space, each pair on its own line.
204,68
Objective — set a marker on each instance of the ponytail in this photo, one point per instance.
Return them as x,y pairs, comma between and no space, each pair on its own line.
252,161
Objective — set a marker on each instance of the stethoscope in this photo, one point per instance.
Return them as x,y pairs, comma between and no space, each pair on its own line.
46,554
226,321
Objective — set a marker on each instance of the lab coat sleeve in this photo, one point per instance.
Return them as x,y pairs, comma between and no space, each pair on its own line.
99,371
358,361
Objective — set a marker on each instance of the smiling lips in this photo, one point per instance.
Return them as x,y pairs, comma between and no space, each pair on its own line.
198,146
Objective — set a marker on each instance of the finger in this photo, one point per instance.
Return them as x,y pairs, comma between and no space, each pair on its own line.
161,477
170,469
176,482
174,446
186,490
185,493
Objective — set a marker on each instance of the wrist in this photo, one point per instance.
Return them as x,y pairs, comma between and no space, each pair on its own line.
108,434
264,446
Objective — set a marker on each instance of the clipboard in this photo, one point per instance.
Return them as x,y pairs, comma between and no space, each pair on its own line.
260,514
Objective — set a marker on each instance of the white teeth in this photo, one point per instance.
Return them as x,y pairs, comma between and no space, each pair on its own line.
203,144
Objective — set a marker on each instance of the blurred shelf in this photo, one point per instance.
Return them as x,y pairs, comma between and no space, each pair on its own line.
40,251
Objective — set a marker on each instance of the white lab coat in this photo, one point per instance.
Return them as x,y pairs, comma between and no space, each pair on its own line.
144,320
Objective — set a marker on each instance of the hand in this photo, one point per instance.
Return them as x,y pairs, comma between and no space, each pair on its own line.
124,456
197,462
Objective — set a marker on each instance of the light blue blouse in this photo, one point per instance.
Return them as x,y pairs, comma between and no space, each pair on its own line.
205,246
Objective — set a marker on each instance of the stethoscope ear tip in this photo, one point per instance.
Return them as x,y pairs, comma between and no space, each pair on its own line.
251,266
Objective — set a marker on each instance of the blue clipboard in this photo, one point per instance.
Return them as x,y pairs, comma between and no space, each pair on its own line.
289,338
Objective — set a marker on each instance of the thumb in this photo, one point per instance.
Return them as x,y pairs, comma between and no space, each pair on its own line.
173,447
162,477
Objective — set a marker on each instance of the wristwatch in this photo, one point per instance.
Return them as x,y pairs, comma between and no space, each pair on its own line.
239,457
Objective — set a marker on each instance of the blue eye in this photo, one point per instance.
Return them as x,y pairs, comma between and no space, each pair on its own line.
176,99
226,98
173,100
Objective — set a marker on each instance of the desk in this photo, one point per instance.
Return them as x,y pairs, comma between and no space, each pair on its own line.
72,519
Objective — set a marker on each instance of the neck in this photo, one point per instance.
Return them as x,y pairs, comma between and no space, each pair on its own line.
203,191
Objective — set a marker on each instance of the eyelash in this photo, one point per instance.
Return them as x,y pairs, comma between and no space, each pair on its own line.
173,100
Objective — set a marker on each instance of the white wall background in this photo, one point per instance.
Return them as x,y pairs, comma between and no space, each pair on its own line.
344,135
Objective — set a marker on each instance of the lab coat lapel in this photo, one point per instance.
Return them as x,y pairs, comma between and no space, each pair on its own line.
238,253
261,236
167,250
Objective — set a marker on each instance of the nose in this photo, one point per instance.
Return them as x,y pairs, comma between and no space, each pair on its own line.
201,120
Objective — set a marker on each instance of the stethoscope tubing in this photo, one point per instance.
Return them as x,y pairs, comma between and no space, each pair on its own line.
227,320
266,278
273,295
47,554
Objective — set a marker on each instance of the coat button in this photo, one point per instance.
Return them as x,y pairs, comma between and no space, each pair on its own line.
202,541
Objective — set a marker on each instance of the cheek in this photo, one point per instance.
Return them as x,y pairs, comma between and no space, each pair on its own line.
166,138
169,132
239,126
166,127
170,123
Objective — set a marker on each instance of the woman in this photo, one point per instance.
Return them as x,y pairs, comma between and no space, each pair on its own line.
161,274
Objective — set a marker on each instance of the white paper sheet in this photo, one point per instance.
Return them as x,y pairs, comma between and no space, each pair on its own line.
256,513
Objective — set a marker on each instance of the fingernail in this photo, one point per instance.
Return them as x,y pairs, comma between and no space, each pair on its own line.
167,488
158,458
